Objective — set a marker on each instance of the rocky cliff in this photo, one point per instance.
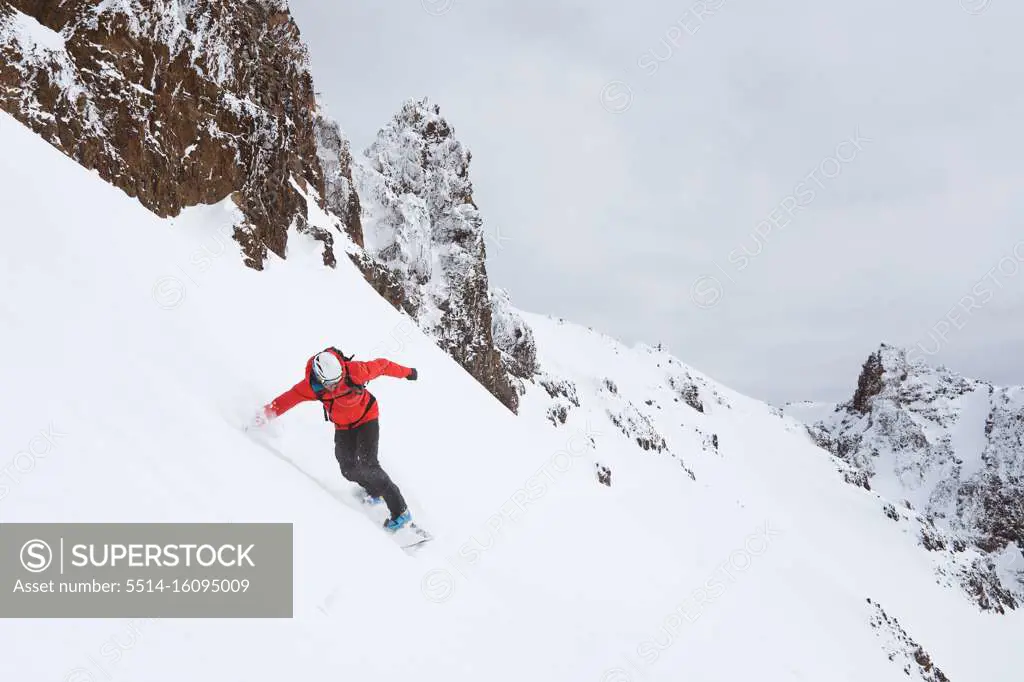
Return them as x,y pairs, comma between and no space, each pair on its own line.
177,102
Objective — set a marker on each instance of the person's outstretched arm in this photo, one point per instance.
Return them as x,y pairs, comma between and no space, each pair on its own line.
299,393
362,372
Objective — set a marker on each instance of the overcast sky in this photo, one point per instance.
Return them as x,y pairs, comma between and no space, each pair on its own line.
770,189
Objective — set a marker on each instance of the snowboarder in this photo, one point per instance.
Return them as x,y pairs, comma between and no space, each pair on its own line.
339,383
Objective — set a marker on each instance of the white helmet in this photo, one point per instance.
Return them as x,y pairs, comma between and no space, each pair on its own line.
327,369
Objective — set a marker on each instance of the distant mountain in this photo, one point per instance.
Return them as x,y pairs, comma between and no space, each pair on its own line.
948,451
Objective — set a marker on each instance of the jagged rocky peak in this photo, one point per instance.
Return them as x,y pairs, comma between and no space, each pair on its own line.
891,374
885,361
177,102
417,152
427,235
949,448
422,181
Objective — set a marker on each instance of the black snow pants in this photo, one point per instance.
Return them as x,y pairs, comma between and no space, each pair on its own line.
356,452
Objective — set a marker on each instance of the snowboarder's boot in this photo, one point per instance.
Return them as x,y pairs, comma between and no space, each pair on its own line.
393,525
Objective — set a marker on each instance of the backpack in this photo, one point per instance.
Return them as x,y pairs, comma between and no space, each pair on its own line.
353,387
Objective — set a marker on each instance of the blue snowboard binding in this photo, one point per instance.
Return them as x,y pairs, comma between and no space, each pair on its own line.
396,524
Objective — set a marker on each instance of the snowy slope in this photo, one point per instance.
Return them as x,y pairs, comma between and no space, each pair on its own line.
725,460
141,343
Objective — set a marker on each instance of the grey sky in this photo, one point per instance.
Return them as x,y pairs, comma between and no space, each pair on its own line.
628,152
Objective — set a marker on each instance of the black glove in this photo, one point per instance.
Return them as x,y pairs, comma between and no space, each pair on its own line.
413,375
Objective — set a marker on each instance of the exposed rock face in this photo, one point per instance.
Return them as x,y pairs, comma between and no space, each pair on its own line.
424,229
952,449
177,102
335,155
869,384
902,649
513,337
691,390
631,420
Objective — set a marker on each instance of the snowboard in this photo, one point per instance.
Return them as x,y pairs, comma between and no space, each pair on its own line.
411,538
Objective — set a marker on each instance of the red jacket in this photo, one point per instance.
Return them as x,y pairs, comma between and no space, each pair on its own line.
346,407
